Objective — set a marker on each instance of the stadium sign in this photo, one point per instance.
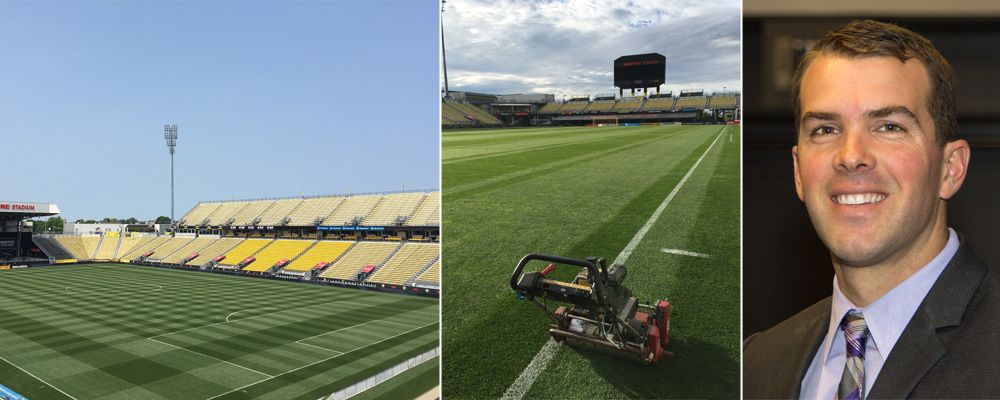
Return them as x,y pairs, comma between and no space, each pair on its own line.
17,207
28,208
350,228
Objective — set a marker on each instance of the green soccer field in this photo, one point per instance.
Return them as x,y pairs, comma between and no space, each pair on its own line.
576,192
131,332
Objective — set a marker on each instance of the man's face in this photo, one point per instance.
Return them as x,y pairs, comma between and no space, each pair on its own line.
867,164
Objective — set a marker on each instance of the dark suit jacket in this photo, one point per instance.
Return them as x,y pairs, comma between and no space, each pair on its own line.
948,350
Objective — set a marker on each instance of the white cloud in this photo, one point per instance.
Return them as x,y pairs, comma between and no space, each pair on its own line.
567,47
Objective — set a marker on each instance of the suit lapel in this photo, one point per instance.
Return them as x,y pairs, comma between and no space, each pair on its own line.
919,346
802,346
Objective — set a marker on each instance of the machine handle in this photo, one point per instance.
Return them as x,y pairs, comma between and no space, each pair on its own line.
555,259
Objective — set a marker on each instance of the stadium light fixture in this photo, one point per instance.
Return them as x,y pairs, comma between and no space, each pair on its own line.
170,134
444,60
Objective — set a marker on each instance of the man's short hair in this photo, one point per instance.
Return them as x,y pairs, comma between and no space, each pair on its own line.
867,38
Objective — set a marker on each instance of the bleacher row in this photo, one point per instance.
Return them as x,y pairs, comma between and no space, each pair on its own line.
631,104
396,209
455,113
396,263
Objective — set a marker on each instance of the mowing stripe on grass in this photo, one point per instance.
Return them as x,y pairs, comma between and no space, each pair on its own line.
324,360
39,379
517,390
455,190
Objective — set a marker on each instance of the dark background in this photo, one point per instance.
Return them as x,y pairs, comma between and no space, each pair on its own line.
785,266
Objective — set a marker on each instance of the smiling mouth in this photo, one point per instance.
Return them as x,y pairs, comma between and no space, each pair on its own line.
859,198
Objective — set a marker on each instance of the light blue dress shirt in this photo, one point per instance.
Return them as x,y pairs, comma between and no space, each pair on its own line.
886,318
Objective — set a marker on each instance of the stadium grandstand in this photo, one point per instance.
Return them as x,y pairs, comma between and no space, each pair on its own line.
377,241
472,110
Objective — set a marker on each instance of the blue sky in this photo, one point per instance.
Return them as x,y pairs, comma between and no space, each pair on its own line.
271,100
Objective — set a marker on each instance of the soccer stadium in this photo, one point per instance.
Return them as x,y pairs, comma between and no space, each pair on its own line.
644,179
291,297
286,242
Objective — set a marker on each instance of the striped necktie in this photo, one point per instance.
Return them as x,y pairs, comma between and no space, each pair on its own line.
852,382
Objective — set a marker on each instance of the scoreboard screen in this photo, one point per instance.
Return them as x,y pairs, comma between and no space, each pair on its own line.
640,71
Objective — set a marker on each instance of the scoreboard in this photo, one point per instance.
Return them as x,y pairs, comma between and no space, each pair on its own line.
640,71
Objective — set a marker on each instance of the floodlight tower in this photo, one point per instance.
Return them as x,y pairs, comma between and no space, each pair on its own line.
444,60
170,134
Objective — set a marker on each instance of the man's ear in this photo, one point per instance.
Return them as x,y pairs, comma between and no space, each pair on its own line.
798,177
954,168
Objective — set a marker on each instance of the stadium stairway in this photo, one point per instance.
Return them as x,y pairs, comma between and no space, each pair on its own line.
435,260
384,261
310,274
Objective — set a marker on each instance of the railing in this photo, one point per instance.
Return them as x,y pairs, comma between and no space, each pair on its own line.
383,376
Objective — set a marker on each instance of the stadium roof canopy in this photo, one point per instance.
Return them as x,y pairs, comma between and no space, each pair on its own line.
18,210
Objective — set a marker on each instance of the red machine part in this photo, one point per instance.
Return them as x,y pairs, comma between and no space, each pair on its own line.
551,267
664,322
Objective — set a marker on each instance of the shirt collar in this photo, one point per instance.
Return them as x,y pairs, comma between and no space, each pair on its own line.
888,316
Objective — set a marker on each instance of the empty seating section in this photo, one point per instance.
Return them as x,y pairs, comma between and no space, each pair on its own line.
73,244
355,207
409,260
690,102
393,207
170,246
325,251
453,114
362,254
660,103
723,101
432,274
51,247
107,247
278,212
130,242
198,214
244,250
476,112
627,104
90,244
313,211
427,212
601,106
248,215
280,249
139,250
550,108
226,212
217,248
191,247
574,106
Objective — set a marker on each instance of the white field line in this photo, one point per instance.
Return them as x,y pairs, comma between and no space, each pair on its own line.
348,327
323,360
541,361
40,379
214,358
273,312
520,387
685,253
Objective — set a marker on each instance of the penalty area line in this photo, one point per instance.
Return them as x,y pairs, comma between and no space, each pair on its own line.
685,253
520,387
39,379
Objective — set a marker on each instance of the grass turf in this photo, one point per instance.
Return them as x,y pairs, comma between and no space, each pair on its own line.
586,191
130,332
